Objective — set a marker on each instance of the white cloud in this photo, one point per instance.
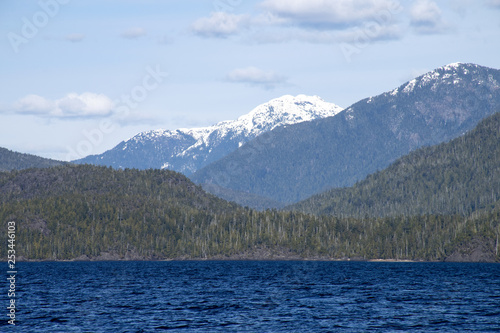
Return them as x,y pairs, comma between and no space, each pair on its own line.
75,38
134,33
426,17
327,14
311,21
220,25
494,3
34,104
257,77
70,106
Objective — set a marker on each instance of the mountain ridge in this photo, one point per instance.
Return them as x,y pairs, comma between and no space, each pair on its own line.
11,160
85,212
290,164
186,150
456,177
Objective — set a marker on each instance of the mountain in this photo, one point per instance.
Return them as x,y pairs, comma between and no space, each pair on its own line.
85,212
293,162
70,211
242,198
10,160
187,150
457,177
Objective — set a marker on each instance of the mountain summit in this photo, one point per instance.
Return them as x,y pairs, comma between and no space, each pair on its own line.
309,158
187,150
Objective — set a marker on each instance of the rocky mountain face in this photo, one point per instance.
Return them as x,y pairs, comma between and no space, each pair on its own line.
187,150
291,163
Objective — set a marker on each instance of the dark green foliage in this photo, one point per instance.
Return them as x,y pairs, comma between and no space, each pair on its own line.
10,160
69,211
458,177
73,211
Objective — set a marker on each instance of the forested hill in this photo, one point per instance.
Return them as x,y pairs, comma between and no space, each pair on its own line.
68,211
97,213
10,160
93,182
458,177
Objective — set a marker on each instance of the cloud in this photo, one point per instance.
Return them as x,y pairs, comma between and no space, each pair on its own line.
74,38
494,3
327,14
70,106
256,77
426,17
220,25
311,21
134,33
330,22
34,104
370,32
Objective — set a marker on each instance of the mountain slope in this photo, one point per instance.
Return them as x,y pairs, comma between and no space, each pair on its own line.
294,162
84,212
242,198
458,177
187,150
10,160
80,210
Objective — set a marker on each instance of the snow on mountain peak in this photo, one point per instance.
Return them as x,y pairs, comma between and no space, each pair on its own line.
285,110
453,66
282,111
451,73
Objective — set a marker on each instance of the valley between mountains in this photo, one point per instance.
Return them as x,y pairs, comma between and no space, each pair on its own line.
410,174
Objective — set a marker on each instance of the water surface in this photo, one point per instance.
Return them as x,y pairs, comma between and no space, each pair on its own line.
246,296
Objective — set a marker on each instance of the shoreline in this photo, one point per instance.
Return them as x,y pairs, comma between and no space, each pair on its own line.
215,259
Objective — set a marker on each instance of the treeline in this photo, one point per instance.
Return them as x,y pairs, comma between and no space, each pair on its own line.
458,177
72,211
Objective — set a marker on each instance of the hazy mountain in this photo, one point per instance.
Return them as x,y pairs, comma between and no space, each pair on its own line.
187,150
293,162
243,198
10,160
457,177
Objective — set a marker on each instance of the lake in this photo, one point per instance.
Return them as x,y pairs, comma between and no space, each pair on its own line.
255,296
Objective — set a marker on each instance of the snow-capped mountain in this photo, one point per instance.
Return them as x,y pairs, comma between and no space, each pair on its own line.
456,75
369,135
187,150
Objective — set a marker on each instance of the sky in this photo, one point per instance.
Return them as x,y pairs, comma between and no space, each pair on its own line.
79,76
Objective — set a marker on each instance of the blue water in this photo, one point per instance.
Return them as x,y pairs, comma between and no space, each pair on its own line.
240,296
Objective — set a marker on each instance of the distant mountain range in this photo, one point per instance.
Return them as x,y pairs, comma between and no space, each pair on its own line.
187,150
291,148
10,160
435,203
293,162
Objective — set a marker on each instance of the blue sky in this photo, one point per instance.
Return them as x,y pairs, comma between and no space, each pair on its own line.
79,76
